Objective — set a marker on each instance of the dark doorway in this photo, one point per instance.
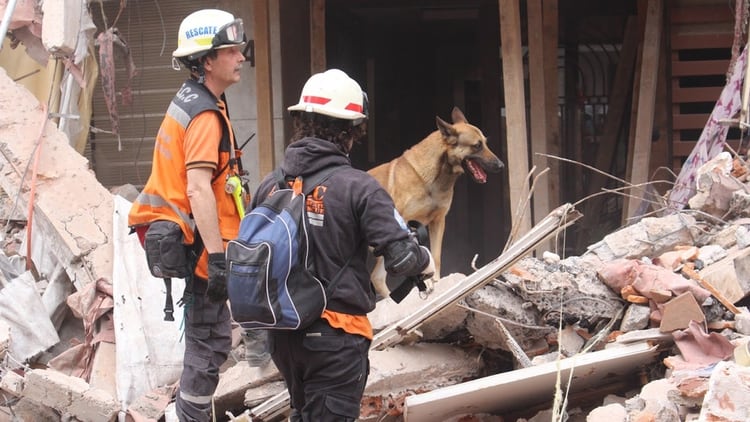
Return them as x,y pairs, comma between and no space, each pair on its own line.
416,60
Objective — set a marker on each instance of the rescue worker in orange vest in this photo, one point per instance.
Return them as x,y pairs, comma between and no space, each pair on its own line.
194,158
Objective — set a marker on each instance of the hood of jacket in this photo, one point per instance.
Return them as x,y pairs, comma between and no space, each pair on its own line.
309,155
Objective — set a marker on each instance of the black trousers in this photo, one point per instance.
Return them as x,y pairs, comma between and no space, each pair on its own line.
325,370
208,340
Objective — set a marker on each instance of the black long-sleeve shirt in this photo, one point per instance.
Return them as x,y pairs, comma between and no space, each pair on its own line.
356,213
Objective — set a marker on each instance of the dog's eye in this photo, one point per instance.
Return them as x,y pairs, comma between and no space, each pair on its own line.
477,146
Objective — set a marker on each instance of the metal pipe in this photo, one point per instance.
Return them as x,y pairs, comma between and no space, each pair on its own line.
6,19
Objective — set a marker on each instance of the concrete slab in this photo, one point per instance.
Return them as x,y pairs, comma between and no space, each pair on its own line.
72,214
418,366
527,386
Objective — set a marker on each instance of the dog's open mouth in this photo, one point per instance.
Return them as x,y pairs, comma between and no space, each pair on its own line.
475,170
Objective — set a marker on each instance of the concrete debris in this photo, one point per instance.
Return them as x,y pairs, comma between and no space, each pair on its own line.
727,397
679,312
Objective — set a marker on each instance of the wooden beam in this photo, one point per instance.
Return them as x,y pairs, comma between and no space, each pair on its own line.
699,40
692,15
639,165
696,95
317,36
515,112
550,20
263,84
681,149
572,175
661,147
538,108
699,67
545,128
690,121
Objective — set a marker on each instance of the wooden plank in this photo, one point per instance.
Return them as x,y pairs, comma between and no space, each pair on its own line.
699,67
690,272
634,110
550,16
646,104
263,84
515,110
573,116
538,98
661,152
696,95
689,121
698,41
700,14
317,36
684,148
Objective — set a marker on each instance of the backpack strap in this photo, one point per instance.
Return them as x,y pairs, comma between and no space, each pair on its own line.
309,183
314,180
278,174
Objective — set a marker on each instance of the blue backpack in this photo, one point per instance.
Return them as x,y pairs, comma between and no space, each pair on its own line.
271,281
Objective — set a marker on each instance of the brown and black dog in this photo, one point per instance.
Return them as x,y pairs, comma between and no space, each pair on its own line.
421,180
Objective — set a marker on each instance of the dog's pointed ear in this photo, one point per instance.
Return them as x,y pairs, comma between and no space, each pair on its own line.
458,116
446,129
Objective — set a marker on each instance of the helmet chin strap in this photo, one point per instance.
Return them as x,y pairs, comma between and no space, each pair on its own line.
195,69
200,71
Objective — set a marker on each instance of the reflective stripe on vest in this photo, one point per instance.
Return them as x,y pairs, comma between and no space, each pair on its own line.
178,114
157,201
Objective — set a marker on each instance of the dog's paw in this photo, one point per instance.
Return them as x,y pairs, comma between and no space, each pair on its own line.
378,277
381,289
412,337
429,284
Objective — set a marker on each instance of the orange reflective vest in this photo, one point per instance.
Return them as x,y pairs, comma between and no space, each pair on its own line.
164,197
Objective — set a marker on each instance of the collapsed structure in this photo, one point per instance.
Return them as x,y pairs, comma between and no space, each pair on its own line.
82,336
649,323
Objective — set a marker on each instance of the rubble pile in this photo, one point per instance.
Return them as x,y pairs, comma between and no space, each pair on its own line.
676,281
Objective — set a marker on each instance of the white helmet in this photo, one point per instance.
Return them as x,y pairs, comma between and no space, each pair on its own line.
207,29
333,93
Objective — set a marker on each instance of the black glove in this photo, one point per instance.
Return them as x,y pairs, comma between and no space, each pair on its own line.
217,278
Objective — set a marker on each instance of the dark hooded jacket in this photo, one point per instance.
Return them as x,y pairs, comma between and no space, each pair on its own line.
357,213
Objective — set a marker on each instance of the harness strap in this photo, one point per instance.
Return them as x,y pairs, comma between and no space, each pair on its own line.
308,185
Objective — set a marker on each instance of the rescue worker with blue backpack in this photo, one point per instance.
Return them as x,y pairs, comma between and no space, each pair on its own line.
326,365
186,212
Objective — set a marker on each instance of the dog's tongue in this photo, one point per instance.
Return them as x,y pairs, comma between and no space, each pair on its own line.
476,171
